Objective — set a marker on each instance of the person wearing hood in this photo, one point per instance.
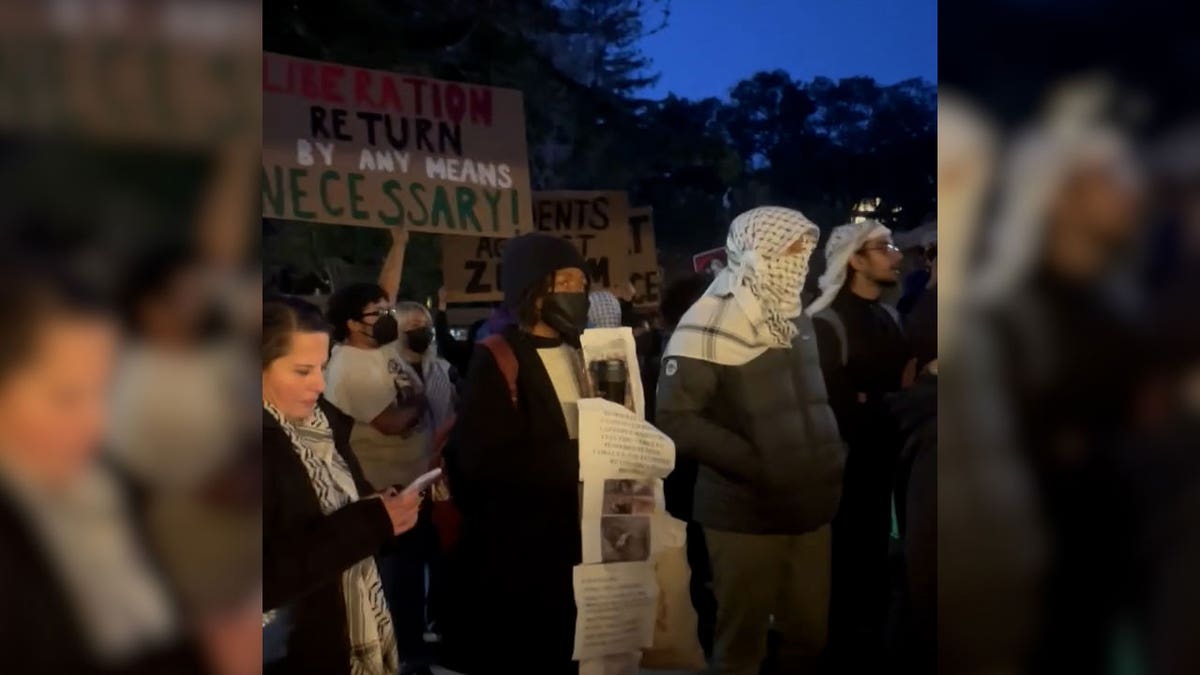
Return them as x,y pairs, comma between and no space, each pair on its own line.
512,460
741,392
863,356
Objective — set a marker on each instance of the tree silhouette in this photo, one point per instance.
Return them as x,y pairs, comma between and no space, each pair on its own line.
820,146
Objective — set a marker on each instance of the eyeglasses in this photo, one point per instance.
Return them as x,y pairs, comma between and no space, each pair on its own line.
380,312
888,248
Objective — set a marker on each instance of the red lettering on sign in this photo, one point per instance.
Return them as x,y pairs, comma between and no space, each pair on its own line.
331,82
418,86
362,88
308,81
481,106
389,96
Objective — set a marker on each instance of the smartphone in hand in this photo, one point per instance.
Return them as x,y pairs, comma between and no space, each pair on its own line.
423,481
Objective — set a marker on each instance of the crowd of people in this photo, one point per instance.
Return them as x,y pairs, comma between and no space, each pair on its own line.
791,419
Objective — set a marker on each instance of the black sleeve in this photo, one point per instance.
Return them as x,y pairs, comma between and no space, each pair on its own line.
448,348
301,555
487,453
685,390
838,385
628,315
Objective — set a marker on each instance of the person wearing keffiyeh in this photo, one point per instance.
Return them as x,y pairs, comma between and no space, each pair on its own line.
605,310
864,355
741,393
323,522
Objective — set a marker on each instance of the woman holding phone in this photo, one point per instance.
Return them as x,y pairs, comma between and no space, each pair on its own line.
322,521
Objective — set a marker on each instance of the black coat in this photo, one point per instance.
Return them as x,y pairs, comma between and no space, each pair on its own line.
877,353
39,630
514,475
916,507
763,434
305,552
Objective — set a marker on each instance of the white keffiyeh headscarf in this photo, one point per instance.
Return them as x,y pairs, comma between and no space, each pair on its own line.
751,305
605,310
373,648
843,242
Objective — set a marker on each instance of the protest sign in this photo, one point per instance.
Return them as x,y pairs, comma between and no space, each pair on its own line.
355,146
646,275
710,261
621,497
150,74
615,442
617,605
596,222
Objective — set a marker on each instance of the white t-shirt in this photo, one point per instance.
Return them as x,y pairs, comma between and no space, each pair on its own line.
175,442
362,383
560,365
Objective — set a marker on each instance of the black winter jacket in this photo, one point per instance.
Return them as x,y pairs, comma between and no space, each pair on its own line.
770,454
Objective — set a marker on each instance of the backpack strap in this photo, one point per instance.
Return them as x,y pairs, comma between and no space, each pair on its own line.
831,317
506,359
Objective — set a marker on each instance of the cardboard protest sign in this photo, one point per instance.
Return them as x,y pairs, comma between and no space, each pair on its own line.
367,147
643,259
595,221
710,261
150,73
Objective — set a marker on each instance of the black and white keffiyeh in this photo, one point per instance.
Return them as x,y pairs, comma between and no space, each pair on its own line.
604,311
843,242
751,305
373,648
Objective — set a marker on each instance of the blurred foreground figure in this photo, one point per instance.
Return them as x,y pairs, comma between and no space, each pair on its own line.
80,591
1051,491
987,555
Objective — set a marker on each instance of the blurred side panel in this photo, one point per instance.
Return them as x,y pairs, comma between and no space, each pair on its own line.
1069,468
129,147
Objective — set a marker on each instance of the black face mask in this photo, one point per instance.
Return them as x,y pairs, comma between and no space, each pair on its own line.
419,339
385,330
567,313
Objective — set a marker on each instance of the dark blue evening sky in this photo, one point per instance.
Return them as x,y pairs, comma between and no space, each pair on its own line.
709,45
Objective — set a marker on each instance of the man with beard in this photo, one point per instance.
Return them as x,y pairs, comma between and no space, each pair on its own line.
863,357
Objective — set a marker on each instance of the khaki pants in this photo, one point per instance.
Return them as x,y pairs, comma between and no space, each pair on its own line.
757,576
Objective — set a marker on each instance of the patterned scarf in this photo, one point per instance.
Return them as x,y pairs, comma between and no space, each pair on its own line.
605,310
372,641
751,305
843,242
435,384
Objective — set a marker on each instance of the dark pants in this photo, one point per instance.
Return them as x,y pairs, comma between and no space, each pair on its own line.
760,577
861,583
403,567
